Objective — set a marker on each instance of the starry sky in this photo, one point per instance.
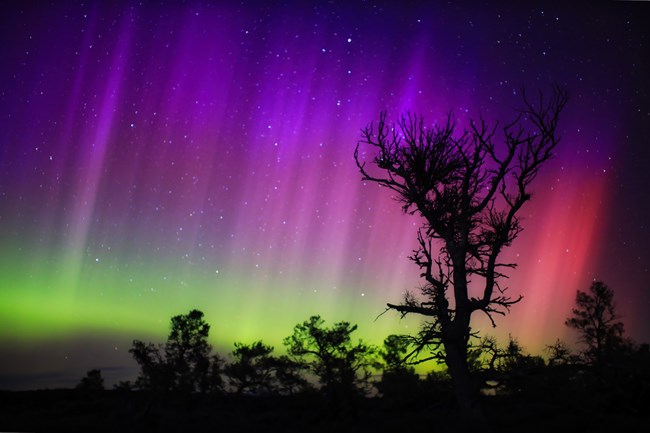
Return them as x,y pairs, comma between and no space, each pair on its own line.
158,158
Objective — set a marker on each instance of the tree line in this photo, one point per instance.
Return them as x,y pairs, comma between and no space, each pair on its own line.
327,361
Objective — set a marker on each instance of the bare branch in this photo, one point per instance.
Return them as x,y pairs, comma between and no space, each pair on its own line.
469,192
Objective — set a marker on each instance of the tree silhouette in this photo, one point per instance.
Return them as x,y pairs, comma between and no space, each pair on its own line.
394,353
184,363
214,379
398,378
123,386
252,370
469,193
487,355
155,372
288,375
505,369
188,351
255,371
92,381
558,353
343,368
595,319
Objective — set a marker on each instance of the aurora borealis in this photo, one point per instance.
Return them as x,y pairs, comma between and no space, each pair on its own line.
158,158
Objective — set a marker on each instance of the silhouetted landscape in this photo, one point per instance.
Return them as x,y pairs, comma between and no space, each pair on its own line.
344,207
328,382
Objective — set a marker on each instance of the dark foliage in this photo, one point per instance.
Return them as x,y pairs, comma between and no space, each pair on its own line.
255,371
559,354
93,381
251,371
342,367
289,376
399,383
184,364
598,324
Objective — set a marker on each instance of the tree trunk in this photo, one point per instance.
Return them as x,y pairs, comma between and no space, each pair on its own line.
467,393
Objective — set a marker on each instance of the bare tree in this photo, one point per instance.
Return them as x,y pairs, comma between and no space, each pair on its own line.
469,193
492,358
558,353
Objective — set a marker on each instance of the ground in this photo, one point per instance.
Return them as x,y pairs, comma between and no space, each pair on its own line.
70,411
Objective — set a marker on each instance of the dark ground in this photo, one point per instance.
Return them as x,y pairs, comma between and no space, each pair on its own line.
104,411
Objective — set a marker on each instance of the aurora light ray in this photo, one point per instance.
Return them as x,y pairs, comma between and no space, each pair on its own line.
155,159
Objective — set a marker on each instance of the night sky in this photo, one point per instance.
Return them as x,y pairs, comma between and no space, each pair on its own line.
158,158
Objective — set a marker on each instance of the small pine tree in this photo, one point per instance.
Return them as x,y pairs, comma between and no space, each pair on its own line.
598,324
